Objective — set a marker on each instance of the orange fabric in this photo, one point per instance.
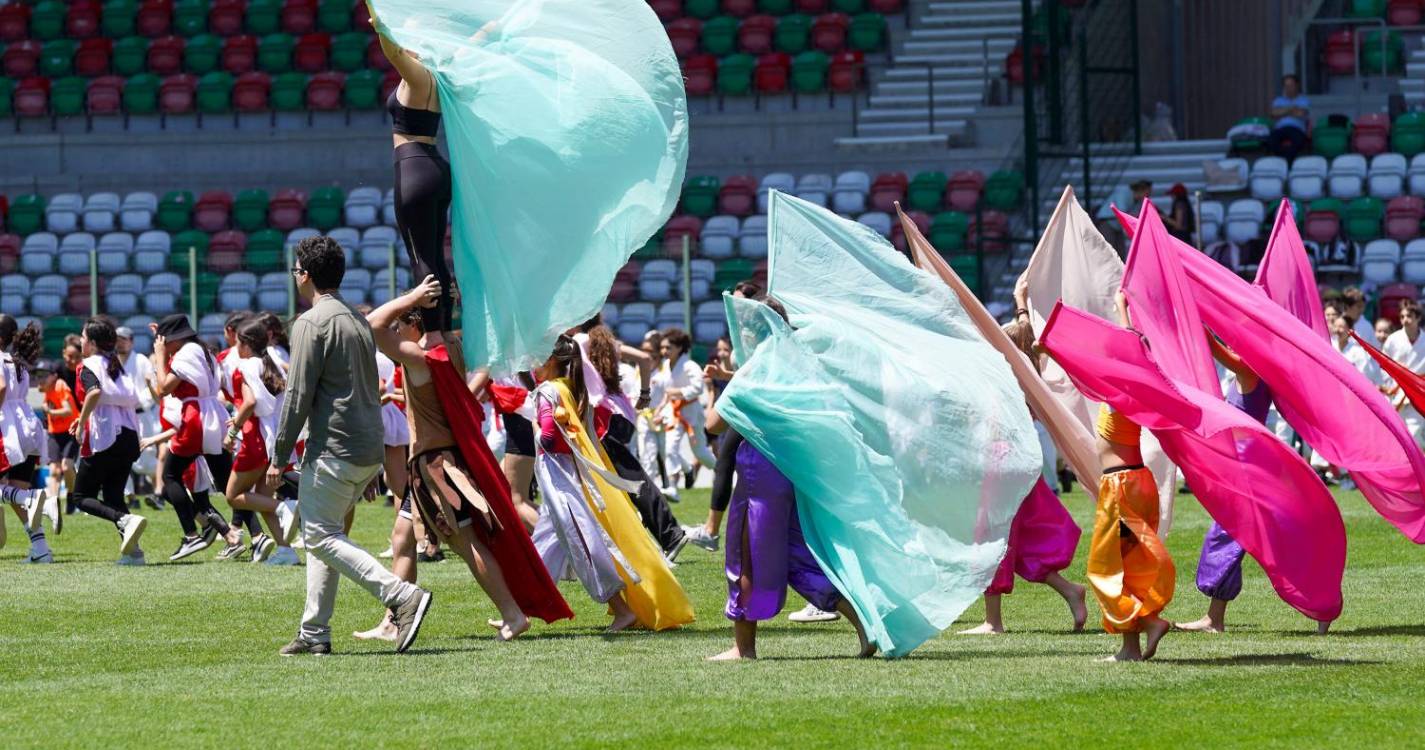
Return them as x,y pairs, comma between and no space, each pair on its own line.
1130,570
1116,428
56,398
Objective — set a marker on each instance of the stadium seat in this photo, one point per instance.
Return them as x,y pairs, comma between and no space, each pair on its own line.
625,287
213,211
1323,220
76,251
1004,189
324,208
667,10
287,209
48,295
188,247
250,210
202,54
676,229
250,92
118,18
161,294
1331,136
114,251
1369,9
635,320
1407,134
1307,178
80,300
67,96
350,240
27,214
165,55
1403,216
670,315
719,237
363,207
888,189
362,90
21,59
752,238
100,212
334,16
700,195
175,210
828,32
92,57
130,56
9,253
921,221
739,8
324,91
1381,52
141,94
1380,262
311,52
1371,134
685,34
263,17
37,254
700,75
1387,176
47,20
734,74
225,17
701,273
1211,215
656,282
754,34
809,72
847,71
236,290
947,231
154,19
793,35
356,285
348,51
1268,178
215,92
14,22
1244,220
239,54
62,212
772,72
849,195
1363,218
265,251
14,294
1405,12
57,58
719,36
378,243
299,16
289,92
274,52
962,191
1412,262
815,188
703,9
927,192
1348,176
151,251
780,181
82,20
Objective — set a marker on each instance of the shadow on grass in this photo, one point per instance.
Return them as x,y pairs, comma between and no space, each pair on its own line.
1250,660
1417,630
936,656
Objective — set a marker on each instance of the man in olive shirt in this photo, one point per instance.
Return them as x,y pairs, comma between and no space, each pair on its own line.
333,390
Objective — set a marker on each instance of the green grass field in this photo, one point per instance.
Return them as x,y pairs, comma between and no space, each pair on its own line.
185,655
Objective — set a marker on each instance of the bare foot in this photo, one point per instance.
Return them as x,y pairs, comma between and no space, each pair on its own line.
733,654
983,629
514,629
496,624
1124,655
386,631
1323,627
1079,609
622,622
1155,630
1205,625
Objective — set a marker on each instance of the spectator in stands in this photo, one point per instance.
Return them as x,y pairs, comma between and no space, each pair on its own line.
1337,255
1384,328
1355,314
1407,347
1180,221
1291,111
1142,191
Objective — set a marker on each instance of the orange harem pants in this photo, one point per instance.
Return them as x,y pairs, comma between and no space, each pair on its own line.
1129,568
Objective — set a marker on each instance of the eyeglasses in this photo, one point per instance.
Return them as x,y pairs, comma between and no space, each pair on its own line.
298,270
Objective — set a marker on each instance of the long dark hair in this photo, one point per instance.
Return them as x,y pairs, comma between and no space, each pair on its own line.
100,333
276,331
571,365
24,344
254,334
603,352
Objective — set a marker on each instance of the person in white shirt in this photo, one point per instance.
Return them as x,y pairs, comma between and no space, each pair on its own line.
1355,353
1355,310
140,370
681,412
1384,328
1407,347
648,438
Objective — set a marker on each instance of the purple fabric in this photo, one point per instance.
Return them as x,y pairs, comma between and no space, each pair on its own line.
1042,540
1219,566
1335,409
764,541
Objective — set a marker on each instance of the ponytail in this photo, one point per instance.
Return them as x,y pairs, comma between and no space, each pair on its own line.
272,378
100,333
571,366
254,335
24,344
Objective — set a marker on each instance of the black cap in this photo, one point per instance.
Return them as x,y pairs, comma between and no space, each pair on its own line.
46,365
175,327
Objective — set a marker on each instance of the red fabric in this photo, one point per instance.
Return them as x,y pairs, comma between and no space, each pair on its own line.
1411,384
507,398
252,451
524,571
188,440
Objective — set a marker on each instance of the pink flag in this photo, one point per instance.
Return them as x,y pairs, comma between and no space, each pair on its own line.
1335,409
1285,274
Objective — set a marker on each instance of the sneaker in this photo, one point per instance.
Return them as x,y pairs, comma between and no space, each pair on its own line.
44,559
262,548
190,545
33,502
699,537
672,555
669,493
130,529
284,556
389,553
133,503
287,521
210,534
50,507
131,560
152,502
298,543
408,618
298,647
231,552
810,613
427,557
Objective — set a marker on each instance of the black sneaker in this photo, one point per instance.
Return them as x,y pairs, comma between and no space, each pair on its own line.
408,616
427,557
191,545
671,555
232,552
210,534
298,647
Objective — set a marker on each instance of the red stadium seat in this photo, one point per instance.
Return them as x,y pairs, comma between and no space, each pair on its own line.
685,34
962,193
9,252
212,211
667,10
1014,64
812,7
828,34
1404,12
890,7
700,74
389,82
92,58
677,228
311,53
361,19
1371,134
375,58
324,91
21,59
240,54
738,196
14,22
82,21
80,296
1392,295
287,209
155,18
921,221
104,95
847,71
754,34
250,92
1322,226
1340,52
888,189
739,8
299,16
993,226
31,97
176,93
165,55
225,251
770,76
1403,216
225,17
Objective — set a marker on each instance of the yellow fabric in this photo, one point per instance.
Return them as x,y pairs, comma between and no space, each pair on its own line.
1116,428
656,598
1131,573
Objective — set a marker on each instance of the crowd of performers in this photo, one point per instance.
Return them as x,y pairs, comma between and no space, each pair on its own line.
878,442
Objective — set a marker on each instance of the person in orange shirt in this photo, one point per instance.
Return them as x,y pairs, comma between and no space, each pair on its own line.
60,411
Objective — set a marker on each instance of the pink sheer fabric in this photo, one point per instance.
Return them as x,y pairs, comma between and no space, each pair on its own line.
1285,274
1252,483
1335,409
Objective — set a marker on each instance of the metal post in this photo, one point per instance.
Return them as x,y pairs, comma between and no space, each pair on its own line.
94,283
291,285
391,271
1137,103
687,284
1197,217
1056,101
193,285
1084,124
930,83
1031,135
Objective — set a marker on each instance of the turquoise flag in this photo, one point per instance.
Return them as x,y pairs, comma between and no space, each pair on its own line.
566,123
905,433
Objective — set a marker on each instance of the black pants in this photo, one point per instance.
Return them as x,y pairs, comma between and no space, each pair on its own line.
657,516
1286,142
220,465
422,204
99,479
723,472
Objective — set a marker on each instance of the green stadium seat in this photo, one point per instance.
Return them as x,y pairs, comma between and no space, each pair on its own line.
141,94
1363,219
362,89
967,267
1365,8
720,36
927,191
1407,134
793,34
947,231
117,20
215,92
700,195
849,7
263,16
289,92
703,9
809,72
265,250
130,55
7,89
208,285
274,53
734,74
774,7
178,254
56,329
651,249
250,210
47,20
66,96
175,211
190,18
1251,143
1004,189
349,51
731,271
1374,60
868,32
334,16
1330,140
27,214
324,208
201,54
57,58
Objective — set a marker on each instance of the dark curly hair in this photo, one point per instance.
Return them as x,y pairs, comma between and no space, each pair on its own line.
24,344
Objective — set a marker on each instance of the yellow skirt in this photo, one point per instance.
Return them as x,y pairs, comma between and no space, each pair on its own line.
1130,570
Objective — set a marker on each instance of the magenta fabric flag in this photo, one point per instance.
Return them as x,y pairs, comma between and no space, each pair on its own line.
1285,274
1335,409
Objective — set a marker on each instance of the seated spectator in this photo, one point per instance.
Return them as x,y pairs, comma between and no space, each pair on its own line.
1181,222
1337,256
1291,111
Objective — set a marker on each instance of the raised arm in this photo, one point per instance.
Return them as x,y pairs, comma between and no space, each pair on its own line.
1229,359
401,351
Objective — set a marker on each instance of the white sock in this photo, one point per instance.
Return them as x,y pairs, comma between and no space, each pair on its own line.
39,546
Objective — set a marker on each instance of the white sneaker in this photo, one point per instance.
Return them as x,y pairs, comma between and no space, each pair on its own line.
671,493
388,554
34,502
135,558
284,556
44,559
698,536
287,521
810,613
130,529
262,548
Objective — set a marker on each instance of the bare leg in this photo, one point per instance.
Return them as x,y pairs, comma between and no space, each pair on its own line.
1215,621
1154,629
1323,627
1131,651
744,642
487,573
623,616
519,470
396,471
1073,594
714,522
867,648
994,621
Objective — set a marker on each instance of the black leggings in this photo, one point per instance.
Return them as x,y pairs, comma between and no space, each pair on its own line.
422,204
722,473
220,465
23,472
99,479
657,516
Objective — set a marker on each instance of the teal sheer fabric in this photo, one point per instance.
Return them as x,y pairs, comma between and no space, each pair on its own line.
905,433
567,128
